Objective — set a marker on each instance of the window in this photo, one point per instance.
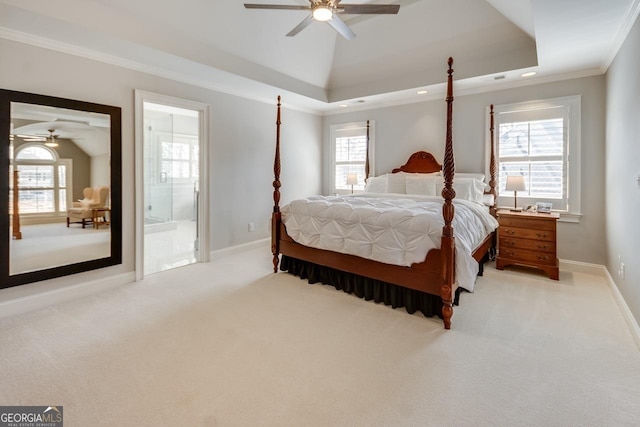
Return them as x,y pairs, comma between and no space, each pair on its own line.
179,158
349,155
42,180
540,140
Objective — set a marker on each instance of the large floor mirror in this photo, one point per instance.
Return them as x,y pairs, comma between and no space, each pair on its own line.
60,187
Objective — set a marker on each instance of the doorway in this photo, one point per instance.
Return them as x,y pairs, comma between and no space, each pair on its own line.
171,205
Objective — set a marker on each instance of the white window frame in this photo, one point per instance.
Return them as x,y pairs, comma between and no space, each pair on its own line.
159,138
333,133
56,163
530,111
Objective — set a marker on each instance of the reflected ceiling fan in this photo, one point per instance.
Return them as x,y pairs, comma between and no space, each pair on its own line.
52,140
328,10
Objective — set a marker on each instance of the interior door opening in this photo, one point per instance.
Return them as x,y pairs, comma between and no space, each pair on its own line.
169,179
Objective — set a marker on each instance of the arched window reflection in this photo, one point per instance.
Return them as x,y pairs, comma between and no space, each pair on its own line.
42,180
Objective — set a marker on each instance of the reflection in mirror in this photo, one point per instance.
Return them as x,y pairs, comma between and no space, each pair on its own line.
63,187
61,163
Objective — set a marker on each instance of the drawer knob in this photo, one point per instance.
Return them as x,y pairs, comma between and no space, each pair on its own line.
541,235
543,258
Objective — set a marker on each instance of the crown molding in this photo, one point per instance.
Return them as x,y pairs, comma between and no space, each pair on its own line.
437,92
173,68
630,17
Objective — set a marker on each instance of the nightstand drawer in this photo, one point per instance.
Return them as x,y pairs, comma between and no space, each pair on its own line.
533,223
526,233
527,256
528,244
528,239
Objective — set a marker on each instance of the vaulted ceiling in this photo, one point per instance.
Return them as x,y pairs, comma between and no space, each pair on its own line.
221,45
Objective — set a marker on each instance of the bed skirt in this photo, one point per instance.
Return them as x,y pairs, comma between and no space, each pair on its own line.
368,289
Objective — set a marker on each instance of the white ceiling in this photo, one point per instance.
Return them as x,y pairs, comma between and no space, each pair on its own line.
89,131
223,46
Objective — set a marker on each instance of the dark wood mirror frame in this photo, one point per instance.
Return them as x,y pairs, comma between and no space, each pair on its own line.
115,113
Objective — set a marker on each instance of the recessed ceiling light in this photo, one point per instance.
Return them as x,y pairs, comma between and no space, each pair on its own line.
528,74
422,92
343,105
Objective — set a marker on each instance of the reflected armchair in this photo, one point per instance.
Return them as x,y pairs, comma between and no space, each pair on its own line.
83,211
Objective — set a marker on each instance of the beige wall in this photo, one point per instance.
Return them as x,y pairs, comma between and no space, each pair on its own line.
241,145
401,130
622,198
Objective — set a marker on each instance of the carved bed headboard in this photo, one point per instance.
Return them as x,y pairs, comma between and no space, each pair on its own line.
420,162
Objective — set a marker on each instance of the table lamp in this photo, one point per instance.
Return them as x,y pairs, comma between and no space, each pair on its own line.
515,184
352,179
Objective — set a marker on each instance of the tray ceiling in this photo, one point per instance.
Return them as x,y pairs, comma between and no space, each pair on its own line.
221,45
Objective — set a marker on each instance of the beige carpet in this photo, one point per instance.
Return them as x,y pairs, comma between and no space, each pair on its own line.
53,245
230,344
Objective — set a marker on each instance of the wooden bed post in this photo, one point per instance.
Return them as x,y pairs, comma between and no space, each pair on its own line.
16,233
492,164
448,240
366,162
275,217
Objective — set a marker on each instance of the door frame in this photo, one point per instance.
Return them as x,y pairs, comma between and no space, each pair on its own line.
141,96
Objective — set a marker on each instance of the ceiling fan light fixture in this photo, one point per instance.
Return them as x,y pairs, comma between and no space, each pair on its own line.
51,139
322,13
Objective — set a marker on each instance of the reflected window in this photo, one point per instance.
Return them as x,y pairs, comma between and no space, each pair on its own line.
179,158
42,180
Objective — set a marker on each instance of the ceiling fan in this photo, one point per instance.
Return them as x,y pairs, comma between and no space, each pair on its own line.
52,140
328,10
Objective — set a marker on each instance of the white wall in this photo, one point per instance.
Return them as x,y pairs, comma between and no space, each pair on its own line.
241,147
402,130
622,199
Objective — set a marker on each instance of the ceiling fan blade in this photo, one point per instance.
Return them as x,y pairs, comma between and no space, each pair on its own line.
342,28
374,9
275,6
301,26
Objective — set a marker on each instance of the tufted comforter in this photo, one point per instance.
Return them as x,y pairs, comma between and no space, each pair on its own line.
394,229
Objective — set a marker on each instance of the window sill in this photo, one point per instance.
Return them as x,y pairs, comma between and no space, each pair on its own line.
570,217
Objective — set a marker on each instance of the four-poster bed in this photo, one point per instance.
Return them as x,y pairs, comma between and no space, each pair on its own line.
428,285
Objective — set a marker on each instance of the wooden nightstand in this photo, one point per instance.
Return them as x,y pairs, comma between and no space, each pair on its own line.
528,239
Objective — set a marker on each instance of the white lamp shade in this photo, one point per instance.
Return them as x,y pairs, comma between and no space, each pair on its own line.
352,179
515,183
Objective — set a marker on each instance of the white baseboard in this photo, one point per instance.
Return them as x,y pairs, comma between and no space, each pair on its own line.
582,267
40,300
240,248
626,312
601,270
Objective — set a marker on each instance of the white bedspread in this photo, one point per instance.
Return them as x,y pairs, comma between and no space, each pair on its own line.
394,229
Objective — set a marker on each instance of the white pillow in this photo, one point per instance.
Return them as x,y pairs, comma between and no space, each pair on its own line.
423,184
478,176
376,184
466,188
396,183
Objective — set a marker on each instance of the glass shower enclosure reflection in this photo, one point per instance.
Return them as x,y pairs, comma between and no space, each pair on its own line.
170,187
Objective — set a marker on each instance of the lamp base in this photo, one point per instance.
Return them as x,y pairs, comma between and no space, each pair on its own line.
516,209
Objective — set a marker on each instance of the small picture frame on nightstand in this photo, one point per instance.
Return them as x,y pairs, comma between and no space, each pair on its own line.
543,207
